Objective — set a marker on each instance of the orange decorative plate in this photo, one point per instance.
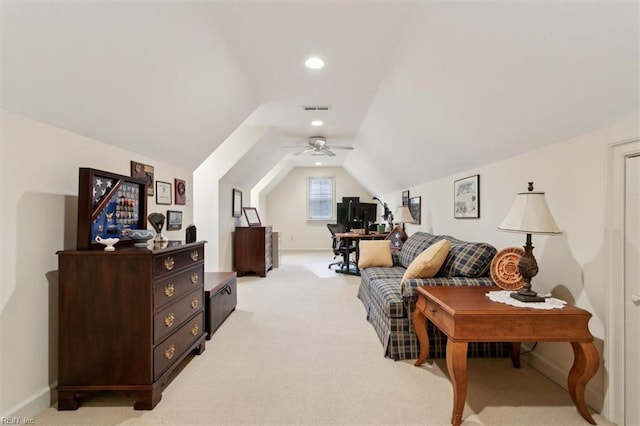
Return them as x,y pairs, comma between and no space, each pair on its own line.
504,268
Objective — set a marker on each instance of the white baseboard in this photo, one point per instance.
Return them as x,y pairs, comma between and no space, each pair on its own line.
593,396
30,407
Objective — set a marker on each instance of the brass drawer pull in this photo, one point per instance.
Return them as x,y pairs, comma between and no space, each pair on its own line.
168,320
168,290
168,263
168,353
194,329
194,278
194,255
194,302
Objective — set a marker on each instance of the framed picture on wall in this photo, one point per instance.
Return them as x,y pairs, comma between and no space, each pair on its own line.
163,192
405,198
415,207
466,198
181,192
174,220
144,172
236,203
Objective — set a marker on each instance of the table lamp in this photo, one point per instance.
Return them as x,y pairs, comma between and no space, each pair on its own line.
529,214
403,215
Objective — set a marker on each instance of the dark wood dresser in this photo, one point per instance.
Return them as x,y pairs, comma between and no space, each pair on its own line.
252,250
127,319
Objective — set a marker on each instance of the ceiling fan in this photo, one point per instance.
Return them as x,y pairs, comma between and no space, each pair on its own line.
318,146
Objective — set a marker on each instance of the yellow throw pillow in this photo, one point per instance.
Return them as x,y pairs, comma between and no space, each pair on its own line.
375,253
428,263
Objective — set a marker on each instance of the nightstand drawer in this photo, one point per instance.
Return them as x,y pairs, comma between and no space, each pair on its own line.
172,317
439,317
167,352
172,288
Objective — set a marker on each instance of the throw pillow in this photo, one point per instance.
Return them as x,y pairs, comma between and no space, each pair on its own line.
375,253
428,263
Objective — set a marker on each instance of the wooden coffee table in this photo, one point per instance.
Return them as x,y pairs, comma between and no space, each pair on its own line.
466,314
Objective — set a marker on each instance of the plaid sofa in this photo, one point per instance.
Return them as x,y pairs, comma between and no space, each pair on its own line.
389,302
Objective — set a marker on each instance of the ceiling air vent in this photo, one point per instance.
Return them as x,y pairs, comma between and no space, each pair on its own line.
316,108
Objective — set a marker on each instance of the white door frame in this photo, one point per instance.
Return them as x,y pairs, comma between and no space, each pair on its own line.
614,344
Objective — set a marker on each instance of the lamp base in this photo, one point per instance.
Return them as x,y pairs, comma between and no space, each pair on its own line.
527,297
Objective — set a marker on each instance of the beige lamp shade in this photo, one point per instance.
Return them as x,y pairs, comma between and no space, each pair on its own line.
403,215
530,214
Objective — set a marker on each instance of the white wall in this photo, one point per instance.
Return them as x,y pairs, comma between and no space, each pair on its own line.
39,212
210,219
287,207
227,223
573,266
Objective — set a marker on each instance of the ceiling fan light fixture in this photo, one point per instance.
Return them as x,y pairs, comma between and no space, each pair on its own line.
317,123
314,63
317,141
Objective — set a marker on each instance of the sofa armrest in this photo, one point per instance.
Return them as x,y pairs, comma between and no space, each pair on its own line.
410,292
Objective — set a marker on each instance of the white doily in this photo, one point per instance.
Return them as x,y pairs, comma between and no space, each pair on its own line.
504,296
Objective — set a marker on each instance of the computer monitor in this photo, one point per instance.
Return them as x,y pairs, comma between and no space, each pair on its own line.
355,215
342,214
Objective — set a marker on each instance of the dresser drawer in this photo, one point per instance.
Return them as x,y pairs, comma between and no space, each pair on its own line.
166,263
172,317
170,350
172,288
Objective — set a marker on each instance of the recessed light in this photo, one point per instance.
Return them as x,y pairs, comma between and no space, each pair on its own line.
317,123
314,63
318,163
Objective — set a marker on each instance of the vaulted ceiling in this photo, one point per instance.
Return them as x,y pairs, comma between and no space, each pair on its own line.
437,87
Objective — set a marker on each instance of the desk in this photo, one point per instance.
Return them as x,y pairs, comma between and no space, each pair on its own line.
356,237
465,315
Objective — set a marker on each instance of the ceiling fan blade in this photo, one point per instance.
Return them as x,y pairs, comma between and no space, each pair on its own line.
303,151
340,147
328,153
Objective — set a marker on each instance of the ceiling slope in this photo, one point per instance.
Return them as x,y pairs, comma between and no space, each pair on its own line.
249,169
428,88
271,40
153,78
473,83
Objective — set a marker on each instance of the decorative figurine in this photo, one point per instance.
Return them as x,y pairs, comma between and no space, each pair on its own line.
157,221
108,242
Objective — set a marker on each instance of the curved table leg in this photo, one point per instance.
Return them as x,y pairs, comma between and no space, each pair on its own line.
420,326
585,365
457,366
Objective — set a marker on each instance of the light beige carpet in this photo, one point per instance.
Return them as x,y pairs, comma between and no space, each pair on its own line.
299,351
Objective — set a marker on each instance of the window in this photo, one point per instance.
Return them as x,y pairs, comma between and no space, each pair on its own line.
320,198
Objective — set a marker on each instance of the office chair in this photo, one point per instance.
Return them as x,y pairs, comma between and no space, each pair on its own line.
339,246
